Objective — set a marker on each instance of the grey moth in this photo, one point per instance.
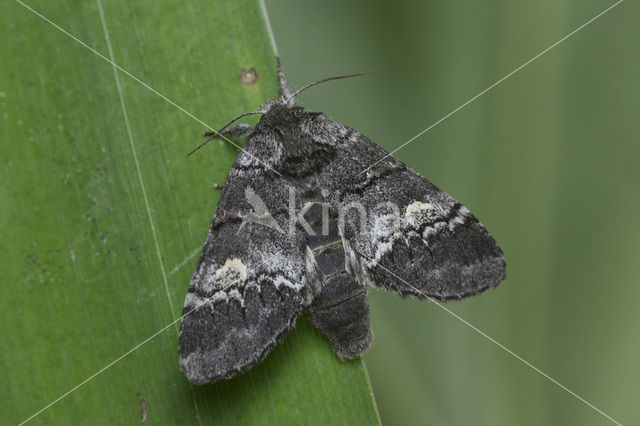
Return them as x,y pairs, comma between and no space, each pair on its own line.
304,223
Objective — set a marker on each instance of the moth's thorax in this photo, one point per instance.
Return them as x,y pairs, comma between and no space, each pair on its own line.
289,133
281,116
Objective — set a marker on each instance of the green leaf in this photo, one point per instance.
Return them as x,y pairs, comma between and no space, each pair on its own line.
102,217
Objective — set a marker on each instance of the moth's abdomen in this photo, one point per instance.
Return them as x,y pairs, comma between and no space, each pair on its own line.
341,309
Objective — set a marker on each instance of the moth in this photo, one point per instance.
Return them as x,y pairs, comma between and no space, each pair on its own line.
306,223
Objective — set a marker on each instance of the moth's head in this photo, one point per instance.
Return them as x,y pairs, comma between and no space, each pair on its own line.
286,103
282,115
275,104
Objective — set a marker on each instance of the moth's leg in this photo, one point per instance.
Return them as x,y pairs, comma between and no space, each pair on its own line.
341,312
285,89
218,185
232,131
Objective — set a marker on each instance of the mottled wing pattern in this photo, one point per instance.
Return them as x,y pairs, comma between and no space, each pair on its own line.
401,232
251,282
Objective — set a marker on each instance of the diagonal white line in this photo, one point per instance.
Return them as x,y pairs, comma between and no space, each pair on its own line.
500,345
135,158
184,262
141,344
151,89
494,85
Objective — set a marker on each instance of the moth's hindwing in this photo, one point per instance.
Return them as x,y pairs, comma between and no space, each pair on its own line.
414,239
250,283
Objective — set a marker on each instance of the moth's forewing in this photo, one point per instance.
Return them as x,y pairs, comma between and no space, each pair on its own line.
250,283
415,239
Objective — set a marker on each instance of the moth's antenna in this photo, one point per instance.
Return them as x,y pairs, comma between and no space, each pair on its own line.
215,133
297,92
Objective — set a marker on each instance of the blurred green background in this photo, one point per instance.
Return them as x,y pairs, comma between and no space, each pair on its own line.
548,160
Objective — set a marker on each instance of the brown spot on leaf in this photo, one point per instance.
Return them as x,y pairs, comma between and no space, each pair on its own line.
249,76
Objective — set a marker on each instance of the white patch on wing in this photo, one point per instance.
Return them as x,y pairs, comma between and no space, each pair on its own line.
235,294
418,213
193,300
232,270
219,295
384,232
282,280
459,218
282,269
